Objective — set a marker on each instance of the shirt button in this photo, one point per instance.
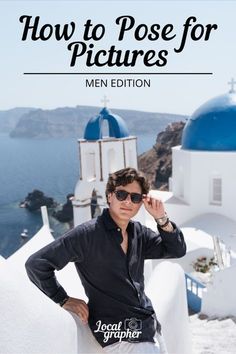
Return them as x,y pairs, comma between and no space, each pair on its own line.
118,229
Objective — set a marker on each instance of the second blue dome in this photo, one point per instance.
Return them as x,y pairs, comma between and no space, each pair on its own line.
212,127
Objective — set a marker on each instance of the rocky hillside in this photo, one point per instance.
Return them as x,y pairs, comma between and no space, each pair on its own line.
10,117
157,162
71,122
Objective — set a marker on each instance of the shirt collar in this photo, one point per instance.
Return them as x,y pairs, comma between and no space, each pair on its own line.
109,222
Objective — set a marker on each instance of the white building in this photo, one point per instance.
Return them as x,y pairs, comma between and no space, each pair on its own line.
99,155
204,168
202,195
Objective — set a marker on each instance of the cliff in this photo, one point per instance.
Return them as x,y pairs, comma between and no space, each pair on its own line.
156,163
71,122
10,117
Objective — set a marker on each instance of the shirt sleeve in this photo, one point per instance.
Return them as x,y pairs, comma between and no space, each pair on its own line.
41,266
165,244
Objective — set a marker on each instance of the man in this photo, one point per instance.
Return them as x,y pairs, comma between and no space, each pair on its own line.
109,254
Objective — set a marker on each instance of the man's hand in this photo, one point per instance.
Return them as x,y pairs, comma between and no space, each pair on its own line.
79,307
155,207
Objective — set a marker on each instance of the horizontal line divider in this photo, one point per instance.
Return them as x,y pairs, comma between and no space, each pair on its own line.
128,74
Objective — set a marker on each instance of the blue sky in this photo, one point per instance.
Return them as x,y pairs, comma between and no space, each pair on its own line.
172,94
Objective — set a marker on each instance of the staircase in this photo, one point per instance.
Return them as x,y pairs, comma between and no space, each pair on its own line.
213,335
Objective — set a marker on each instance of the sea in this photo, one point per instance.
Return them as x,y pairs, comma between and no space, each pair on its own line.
50,165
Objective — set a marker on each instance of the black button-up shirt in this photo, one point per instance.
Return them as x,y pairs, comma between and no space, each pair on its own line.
113,281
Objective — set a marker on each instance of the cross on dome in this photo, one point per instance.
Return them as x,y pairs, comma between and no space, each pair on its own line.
232,83
105,100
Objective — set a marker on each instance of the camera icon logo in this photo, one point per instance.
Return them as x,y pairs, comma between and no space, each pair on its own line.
133,324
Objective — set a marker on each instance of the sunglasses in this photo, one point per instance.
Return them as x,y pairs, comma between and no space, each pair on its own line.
122,195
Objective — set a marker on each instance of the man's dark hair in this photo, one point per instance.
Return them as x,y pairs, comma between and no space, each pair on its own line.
124,177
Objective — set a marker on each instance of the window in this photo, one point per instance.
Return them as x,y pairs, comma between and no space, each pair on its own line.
216,191
131,158
91,166
111,161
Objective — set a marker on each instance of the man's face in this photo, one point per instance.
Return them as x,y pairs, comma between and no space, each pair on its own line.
126,209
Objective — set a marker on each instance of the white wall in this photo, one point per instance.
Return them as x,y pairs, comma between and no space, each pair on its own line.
181,174
166,288
187,261
219,299
178,211
118,162
130,146
199,167
2,260
86,148
30,322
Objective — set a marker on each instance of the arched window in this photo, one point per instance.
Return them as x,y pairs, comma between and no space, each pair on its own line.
131,158
95,208
90,166
111,156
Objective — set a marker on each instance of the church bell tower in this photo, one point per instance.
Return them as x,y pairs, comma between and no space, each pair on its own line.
105,148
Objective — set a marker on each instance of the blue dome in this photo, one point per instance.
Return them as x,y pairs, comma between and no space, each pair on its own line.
117,126
212,126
